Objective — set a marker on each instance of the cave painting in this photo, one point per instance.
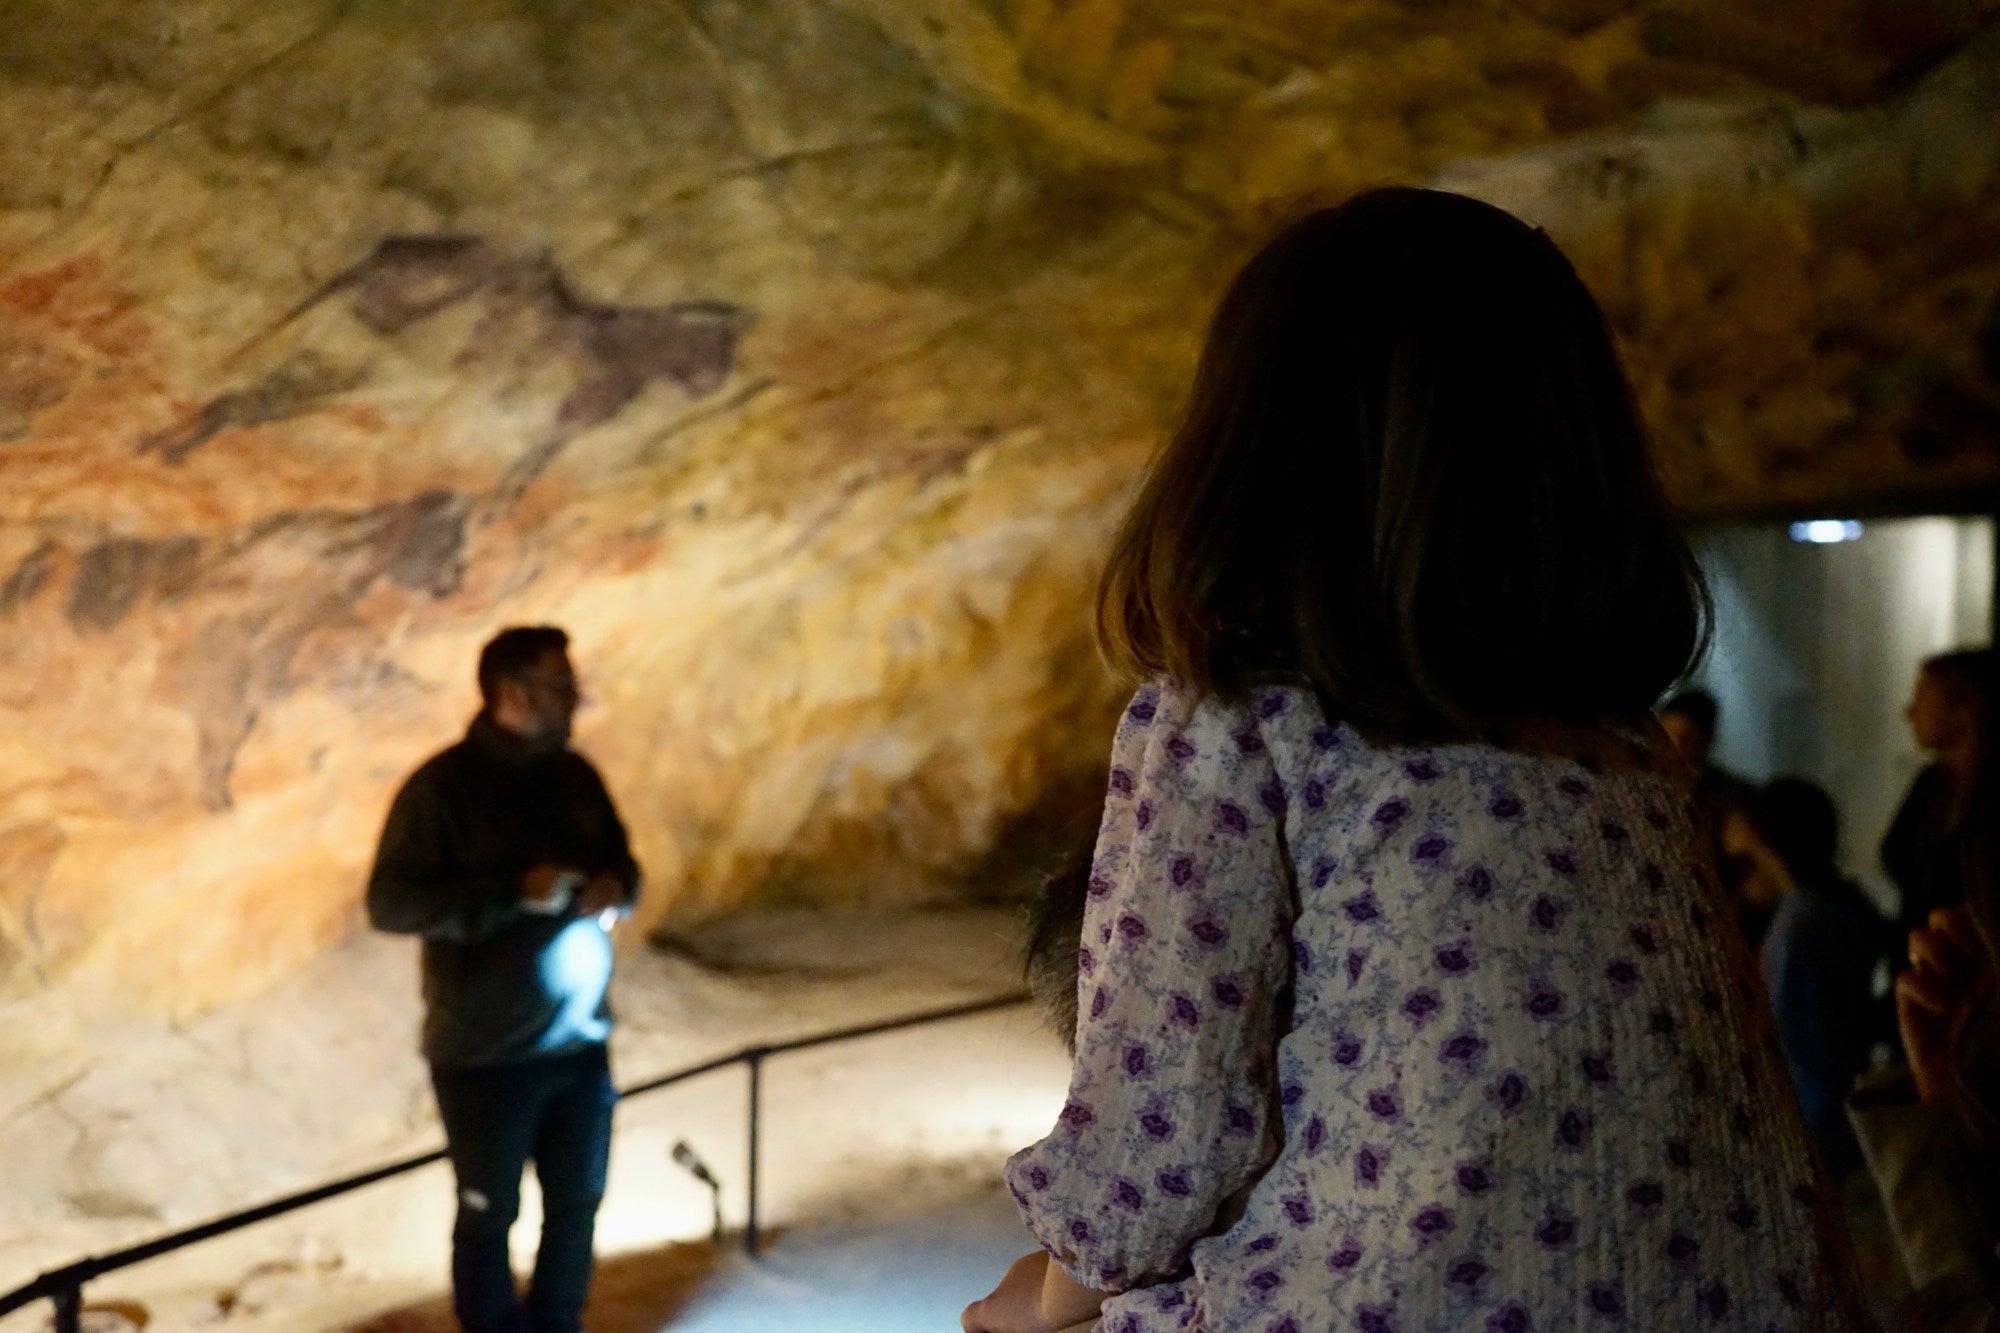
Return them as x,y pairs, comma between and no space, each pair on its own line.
528,313
527,317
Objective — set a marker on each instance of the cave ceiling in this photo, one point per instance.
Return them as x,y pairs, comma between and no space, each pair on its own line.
797,355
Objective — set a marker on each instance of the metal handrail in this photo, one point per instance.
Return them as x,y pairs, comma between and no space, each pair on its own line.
63,1287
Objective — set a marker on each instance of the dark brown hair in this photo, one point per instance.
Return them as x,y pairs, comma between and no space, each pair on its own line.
1411,476
514,652
1055,931
1966,676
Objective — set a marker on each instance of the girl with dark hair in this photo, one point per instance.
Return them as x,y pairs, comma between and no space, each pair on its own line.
1407,1000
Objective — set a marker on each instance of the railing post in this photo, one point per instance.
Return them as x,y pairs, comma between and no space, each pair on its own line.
69,1309
755,1059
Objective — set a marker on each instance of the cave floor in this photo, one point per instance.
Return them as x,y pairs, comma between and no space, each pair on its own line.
899,1274
880,1160
868,1147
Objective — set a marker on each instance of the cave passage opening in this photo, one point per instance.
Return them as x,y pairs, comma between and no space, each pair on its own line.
1820,625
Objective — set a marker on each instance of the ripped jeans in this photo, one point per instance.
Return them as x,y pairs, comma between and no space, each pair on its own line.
555,1113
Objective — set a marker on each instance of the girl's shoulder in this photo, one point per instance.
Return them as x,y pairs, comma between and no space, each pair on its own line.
1165,702
1638,747
1277,717
1287,721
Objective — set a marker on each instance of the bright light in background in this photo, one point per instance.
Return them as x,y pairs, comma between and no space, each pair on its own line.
1825,531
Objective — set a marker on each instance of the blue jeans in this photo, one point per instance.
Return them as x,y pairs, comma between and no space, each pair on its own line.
555,1113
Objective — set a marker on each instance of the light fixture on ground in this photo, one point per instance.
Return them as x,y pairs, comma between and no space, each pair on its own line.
685,1158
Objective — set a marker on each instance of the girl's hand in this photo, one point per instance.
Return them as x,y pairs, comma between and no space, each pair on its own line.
1932,997
1066,1303
1015,1306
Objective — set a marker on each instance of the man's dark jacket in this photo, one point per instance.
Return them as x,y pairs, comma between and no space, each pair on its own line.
501,984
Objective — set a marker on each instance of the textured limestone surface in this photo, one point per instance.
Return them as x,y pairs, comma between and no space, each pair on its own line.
130,1133
797,356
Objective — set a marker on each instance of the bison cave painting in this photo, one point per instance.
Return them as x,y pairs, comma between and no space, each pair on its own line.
527,319
528,315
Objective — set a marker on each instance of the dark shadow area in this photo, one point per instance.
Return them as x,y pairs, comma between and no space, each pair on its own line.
639,1292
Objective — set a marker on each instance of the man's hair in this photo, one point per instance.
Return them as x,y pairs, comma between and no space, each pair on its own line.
1410,476
1966,675
514,652
1697,706
1798,821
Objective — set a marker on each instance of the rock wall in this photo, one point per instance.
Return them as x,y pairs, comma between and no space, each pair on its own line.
797,357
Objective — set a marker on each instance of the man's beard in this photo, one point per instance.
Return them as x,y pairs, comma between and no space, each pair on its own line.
551,736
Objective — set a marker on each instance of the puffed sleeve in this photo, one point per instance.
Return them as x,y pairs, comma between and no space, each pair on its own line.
1185,956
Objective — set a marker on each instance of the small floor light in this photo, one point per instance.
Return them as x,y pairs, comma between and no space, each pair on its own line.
685,1159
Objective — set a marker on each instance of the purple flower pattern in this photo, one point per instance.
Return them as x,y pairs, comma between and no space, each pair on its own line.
1430,1223
1421,1005
1465,1049
1467,1272
1475,913
1272,797
1509,1092
1431,851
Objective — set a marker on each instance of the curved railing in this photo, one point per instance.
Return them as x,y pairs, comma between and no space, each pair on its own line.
63,1287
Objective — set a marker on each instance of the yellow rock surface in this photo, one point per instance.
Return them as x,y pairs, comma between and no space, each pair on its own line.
798,358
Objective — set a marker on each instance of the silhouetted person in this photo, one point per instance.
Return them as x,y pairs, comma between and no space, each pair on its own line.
505,853
1930,1129
1819,956
1925,847
1690,720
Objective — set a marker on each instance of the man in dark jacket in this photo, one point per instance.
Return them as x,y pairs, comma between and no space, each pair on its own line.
505,853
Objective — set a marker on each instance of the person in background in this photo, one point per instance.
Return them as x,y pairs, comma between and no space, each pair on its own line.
1405,998
1924,849
1691,719
1754,896
505,854
1930,1128
1819,956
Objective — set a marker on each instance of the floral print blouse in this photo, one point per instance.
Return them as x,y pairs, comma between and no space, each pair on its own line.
1416,1039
